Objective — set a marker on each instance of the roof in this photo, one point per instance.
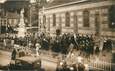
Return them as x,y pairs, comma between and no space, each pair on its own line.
60,2
16,4
17,0
13,15
55,3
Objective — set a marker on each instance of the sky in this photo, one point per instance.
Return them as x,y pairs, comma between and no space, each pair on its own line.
35,0
48,0
2,1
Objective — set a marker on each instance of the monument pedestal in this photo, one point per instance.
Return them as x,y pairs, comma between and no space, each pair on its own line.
22,28
21,32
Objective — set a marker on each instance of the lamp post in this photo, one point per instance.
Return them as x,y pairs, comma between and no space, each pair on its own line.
32,3
0,26
38,6
0,19
30,16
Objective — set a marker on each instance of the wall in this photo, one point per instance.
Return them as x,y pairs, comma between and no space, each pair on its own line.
77,9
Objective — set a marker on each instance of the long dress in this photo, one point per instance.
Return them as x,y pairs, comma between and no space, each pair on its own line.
38,46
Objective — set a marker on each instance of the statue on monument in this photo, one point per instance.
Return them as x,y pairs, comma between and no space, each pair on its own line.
21,23
22,12
22,28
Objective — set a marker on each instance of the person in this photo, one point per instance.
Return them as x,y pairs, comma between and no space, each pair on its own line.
79,59
81,67
38,46
12,41
97,50
101,44
29,44
22,52
4,42
13,54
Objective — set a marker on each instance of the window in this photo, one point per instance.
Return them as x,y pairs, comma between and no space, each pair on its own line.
48,24
44,20
86,18
67,19
54,20
97,26
1,22
75,24
60,22
112,17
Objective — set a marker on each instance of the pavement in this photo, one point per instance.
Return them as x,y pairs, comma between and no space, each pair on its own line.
5,58
48,63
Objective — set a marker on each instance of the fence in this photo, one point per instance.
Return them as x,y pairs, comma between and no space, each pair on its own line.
96,65
101,65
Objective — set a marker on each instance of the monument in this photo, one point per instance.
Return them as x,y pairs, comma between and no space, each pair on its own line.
22,28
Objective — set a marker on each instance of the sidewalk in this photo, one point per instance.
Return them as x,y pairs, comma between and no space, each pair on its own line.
5,58
6,53
49,58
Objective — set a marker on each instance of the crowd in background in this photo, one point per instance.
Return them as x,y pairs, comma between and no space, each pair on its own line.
62,43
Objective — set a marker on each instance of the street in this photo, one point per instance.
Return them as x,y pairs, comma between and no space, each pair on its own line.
5,58
48,64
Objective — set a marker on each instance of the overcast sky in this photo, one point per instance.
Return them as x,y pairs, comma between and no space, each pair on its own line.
2,1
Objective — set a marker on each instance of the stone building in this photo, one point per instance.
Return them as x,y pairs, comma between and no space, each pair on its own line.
13,19
9,22
79,16
10,14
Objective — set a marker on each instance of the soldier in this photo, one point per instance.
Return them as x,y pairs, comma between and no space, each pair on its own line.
74,41
45,44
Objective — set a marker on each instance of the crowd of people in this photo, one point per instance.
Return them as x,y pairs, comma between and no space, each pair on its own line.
62,43
87,43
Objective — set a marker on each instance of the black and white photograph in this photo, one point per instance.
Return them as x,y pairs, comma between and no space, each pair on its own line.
57,35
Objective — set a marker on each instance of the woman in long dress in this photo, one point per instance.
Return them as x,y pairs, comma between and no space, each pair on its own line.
38,46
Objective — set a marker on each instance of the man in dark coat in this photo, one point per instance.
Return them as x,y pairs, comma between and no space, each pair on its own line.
81,67
14,54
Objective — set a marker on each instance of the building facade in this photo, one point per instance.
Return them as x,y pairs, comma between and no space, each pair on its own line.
79,16
10,15
8,22
13,19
